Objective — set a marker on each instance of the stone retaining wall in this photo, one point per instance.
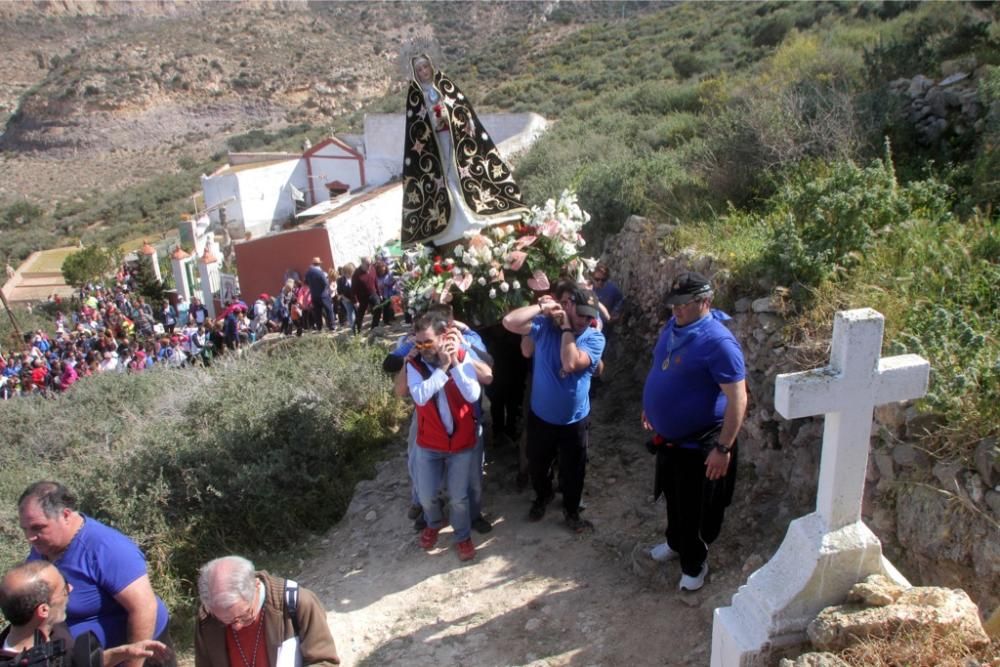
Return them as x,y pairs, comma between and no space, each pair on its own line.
939,521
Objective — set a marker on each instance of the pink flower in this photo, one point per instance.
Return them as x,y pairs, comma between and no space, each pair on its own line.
517,259
525,241
464,282
550,228
538,281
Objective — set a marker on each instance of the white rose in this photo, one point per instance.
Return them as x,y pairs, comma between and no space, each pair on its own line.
493,293
493,272
458,251
516,284
504,287
481,281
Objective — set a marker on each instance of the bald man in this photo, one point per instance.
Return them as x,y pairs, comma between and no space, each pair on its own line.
33,597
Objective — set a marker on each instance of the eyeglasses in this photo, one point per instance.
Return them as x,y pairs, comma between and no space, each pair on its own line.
425,345
244,619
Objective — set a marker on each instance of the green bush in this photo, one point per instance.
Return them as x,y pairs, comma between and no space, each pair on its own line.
89,265
19,213
826,217
249,456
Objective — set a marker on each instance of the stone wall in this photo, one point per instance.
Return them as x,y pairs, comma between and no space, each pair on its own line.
945,110
939,521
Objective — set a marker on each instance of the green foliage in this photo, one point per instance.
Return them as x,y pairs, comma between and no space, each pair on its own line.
826,218
147,284
249,456
89,265
259,139
20,213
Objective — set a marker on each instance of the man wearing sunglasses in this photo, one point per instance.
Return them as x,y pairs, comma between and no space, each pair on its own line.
442,381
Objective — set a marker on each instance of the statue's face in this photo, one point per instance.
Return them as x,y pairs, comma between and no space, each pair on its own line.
424,71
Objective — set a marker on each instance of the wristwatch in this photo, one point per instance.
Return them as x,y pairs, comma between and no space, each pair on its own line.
722,448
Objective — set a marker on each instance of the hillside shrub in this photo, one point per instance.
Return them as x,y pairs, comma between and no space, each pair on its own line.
826,217
249,456
21,212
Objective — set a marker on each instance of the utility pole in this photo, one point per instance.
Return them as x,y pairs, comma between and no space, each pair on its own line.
10,314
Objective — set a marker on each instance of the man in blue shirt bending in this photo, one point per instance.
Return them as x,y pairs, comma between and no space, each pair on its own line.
695,399
111,594
568,348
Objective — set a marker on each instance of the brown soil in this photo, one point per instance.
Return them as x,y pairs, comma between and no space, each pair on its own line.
536,594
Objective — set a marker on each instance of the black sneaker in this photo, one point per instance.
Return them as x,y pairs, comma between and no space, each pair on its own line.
578,524
481,525
538,506
419,524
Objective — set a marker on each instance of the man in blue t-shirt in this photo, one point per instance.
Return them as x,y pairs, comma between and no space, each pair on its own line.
568,348
111,593
695,399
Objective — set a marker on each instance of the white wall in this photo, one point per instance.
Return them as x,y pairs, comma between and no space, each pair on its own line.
218,189
511,132
364,227
332,163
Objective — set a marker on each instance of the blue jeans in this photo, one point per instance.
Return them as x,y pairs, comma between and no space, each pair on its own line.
411,459
476,475
433,466
475,469
349,309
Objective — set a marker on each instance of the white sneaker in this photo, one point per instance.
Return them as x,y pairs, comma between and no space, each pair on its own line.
694,583
661,553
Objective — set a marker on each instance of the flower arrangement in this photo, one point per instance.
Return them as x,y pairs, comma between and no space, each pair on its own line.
498,268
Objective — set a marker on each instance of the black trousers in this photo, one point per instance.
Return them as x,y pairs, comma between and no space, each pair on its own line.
323,308
695,504
510,372
569,441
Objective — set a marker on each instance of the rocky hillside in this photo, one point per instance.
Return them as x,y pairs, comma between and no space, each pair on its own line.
115,91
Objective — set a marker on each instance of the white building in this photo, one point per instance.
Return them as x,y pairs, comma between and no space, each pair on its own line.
256,193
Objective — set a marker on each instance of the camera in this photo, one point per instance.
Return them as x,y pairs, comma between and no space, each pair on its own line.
86,652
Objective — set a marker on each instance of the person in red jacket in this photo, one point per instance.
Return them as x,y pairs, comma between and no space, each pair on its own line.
442,382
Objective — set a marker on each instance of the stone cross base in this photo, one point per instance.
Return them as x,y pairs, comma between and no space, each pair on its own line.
813,569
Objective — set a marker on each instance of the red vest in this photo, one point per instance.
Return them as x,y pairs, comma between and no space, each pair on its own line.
431,433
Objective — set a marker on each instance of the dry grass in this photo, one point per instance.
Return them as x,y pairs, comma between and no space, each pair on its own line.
914,647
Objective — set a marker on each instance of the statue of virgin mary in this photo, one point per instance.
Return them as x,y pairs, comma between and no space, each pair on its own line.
454,179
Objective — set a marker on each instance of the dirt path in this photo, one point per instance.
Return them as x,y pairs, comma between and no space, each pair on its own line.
536,594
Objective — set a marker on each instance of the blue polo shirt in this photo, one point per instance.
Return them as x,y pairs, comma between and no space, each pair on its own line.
682,397
555,397
99,563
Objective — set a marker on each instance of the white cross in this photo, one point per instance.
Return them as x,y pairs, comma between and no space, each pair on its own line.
847,392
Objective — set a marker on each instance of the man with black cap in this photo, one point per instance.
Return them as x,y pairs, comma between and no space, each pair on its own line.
567,351
694,400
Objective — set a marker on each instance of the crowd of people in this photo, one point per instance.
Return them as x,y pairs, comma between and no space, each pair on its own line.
112,328
81,576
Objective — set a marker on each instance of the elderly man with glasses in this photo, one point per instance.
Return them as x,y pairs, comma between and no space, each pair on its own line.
244,620
695,400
